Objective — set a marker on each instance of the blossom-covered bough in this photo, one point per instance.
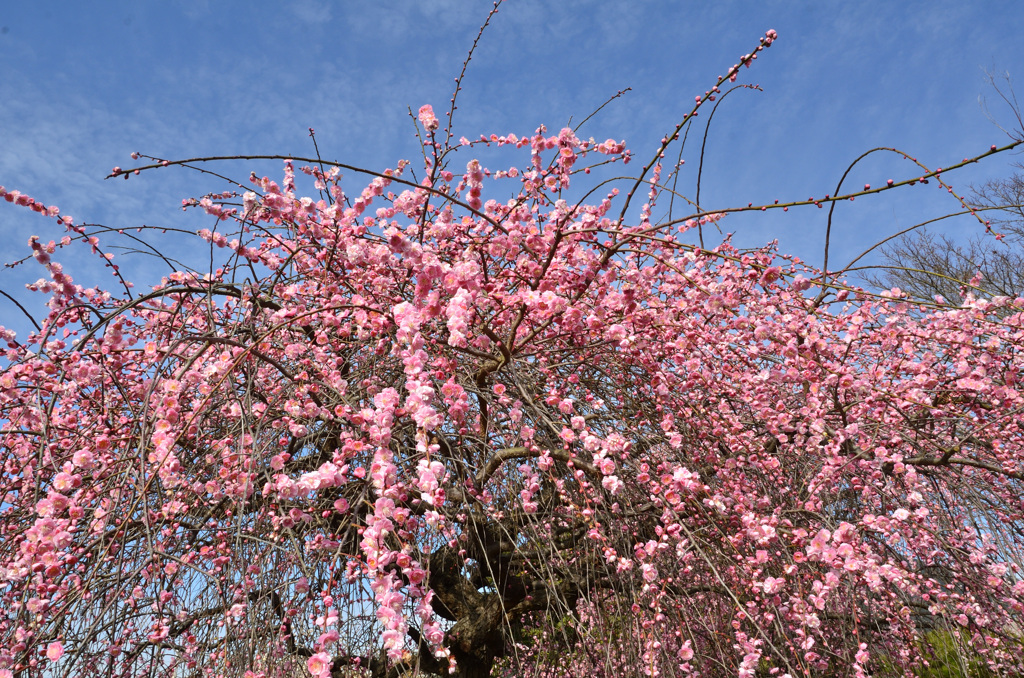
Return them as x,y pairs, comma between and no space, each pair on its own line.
420,428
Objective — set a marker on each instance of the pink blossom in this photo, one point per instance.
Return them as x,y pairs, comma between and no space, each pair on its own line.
427,118
54,651
612,483
393,641
819,543
615,333
319,664
649,572
427,384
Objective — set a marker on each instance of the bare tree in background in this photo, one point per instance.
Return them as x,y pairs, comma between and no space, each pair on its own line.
925,264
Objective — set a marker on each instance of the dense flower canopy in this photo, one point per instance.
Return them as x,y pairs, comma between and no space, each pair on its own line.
419,427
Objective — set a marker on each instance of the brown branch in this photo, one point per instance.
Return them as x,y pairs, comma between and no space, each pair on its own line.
501,456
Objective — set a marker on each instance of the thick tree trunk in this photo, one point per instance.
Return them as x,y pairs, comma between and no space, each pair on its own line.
474,666
478,638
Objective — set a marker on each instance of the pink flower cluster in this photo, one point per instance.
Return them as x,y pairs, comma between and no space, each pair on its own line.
421,422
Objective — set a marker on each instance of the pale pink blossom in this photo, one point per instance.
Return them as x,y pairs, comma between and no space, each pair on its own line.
319,664
427,118
54,651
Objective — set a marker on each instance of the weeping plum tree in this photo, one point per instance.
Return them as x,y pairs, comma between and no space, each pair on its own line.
418,430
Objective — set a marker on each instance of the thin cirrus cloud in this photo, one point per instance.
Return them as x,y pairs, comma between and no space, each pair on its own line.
83,89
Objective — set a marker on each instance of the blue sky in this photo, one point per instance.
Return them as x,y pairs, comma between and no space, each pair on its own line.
83,87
